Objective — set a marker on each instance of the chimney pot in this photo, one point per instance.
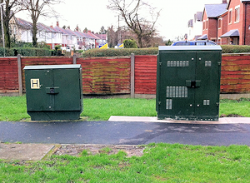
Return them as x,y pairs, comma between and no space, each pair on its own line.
224,1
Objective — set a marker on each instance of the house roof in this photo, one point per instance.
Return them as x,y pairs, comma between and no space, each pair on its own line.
92,35
231,33
23,23
83,34
202,37
46,28
215,10
102,36
63,31
198,16
70,32
28,25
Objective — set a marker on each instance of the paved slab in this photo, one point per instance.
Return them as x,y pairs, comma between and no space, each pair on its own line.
26,152
226,120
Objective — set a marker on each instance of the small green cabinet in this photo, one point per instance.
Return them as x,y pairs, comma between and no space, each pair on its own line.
188,82
54,92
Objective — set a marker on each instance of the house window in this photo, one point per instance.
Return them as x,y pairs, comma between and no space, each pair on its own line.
219,23
207,24
230,16
204,25
237,13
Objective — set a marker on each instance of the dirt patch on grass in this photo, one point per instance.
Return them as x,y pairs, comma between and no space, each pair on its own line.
76,150
230,115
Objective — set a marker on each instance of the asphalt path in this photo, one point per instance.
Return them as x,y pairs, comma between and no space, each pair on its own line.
124,133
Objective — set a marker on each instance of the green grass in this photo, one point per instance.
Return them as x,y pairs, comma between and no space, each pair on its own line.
102,109
235,107
159,163
14,108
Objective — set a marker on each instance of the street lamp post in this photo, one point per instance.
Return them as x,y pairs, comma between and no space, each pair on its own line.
1,5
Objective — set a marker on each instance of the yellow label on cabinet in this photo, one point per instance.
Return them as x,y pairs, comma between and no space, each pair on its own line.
35,84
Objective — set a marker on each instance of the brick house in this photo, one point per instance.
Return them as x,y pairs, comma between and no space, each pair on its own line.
238,23
210,17
227,23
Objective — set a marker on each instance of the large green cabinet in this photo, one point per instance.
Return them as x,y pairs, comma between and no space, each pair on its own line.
54,92
188,82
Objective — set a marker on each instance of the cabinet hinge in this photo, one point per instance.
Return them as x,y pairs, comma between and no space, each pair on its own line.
160,63
219,63
159,103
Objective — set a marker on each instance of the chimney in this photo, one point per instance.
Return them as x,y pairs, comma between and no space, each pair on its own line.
224,1
89,31
57,23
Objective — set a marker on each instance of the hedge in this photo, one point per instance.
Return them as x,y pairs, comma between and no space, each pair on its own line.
153,51
235,48
25,52
119,52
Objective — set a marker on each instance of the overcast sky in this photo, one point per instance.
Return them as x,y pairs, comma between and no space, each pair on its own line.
94,13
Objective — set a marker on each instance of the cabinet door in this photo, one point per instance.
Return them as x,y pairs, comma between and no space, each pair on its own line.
208,73
177,73
37,98
67,84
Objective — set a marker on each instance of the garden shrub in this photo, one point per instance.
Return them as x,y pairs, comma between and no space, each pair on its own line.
130,43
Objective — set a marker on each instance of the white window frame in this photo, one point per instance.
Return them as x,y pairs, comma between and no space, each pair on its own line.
236,21
230,10
220,25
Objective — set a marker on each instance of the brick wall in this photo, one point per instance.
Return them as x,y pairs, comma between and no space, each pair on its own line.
212,27
236,25
247,23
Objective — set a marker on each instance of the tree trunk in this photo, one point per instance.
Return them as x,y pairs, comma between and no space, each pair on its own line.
6,34
34,32
139,37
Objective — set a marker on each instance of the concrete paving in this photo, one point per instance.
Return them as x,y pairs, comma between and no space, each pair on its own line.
24,152
226,120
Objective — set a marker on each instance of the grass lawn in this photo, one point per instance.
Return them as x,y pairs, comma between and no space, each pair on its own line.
159,163
14,108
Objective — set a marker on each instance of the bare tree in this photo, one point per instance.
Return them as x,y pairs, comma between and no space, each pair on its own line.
10,8
112,37
37,8
133,13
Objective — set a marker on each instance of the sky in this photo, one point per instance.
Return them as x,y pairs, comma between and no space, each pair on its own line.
93,14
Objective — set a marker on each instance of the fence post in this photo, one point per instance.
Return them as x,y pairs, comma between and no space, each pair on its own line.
132,77
74,59
20,81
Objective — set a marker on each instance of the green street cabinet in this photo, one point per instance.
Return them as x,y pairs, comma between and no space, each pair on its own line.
188,82
54,92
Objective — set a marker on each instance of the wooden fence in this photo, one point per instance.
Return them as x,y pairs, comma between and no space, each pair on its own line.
122,75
